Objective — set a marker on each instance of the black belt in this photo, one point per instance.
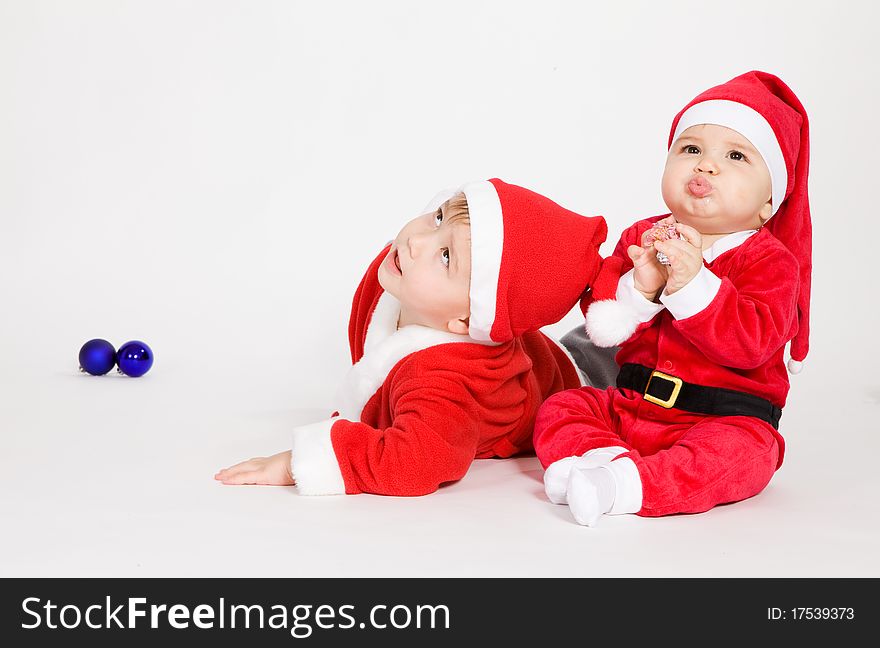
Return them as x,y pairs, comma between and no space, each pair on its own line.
670,391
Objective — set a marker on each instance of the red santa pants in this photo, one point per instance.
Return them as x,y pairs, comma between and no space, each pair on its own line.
687,462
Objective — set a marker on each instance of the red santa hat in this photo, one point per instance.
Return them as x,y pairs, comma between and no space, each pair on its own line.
531,259
764,110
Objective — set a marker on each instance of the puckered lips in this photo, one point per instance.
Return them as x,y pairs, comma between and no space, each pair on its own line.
699,186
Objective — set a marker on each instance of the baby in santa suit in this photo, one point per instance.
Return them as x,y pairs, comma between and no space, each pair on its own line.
448,362
693,419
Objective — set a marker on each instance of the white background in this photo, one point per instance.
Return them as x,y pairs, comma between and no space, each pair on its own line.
212,177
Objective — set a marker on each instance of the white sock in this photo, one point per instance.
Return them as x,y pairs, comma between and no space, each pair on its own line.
556,478
591,493
557,473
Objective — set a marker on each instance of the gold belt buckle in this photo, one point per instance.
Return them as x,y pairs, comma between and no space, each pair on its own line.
669,402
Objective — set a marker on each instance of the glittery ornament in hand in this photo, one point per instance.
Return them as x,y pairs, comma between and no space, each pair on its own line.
662,232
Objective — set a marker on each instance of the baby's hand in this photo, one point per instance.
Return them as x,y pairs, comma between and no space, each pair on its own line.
266,471
649,274
685,257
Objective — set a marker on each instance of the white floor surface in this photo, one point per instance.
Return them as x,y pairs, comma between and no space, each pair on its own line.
112,476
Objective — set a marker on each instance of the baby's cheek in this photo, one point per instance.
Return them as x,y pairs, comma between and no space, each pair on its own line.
667,189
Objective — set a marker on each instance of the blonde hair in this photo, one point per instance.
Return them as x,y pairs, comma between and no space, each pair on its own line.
456,210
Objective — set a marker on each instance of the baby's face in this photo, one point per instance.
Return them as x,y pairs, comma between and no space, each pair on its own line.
428,269
716,181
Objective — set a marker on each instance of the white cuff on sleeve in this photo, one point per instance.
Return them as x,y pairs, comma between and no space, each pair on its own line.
313,462
611,322
627,294
694,296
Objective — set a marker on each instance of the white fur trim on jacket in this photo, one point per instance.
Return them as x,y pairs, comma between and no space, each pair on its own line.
383,321
313,462
610,322
385,345
694,296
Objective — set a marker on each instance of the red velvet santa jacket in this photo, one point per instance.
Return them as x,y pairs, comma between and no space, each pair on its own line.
728,327
419,404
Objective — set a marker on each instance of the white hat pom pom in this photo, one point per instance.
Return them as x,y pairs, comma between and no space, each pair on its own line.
610,322
795,366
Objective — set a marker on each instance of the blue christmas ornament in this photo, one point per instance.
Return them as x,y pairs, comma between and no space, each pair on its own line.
134,358
97,357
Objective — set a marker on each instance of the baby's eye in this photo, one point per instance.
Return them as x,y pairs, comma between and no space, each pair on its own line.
691,149
444,255
438,218
736,155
